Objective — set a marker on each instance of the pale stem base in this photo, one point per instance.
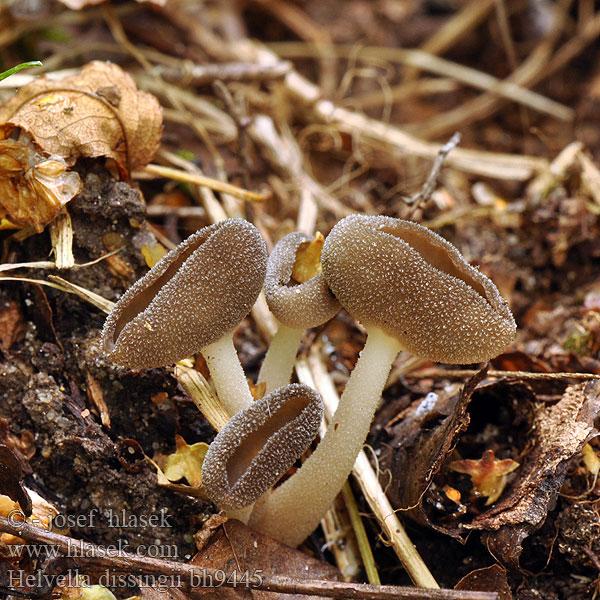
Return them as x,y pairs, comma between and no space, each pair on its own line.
227,374
241,514
277,368
294,509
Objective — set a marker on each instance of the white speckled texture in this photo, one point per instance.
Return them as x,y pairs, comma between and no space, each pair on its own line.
423,293
303,305
288,433
194,295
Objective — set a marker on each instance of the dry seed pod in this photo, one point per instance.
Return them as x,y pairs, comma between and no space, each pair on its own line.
297,305
259,444
192,300
416,287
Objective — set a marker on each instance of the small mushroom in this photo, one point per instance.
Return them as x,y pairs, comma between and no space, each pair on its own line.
412,290
191,301
299,297
259,444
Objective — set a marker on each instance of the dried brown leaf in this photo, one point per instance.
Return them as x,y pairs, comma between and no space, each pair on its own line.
236,547
10,479
33,189
12,326
489,579
97,112
421,449
559,434
96,396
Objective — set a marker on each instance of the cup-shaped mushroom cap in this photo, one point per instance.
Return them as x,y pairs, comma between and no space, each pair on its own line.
416,286
297,305
193,296
259,444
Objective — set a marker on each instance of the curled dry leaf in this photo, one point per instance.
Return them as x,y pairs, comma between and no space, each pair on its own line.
424,441
33,189
97,112
308,259
547,438
559,434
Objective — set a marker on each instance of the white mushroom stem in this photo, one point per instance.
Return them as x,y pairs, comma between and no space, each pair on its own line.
227,374
276,370
294,509
241,514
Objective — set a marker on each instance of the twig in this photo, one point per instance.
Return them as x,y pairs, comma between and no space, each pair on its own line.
214,184
361,535
130,563
48,264
426,190
182,212
460,373
444,37
211,205
284,155
192,74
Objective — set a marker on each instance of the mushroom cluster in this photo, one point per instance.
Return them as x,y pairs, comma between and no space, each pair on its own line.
410,289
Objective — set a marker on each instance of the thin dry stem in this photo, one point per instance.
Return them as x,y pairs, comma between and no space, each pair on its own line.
63,285
214,184
498,166
465,373
508,89
61,237
199,390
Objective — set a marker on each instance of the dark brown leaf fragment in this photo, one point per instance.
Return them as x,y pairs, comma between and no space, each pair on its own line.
234,546
489,579
10,480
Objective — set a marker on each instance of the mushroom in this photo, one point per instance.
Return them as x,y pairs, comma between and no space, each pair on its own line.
259,444
411,290
191,301
299,297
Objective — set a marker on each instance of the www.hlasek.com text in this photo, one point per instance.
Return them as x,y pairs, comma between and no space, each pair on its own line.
80,549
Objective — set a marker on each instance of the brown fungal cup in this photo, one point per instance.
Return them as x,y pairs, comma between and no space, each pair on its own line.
259,444
192,297
297,305
416,287
299,297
